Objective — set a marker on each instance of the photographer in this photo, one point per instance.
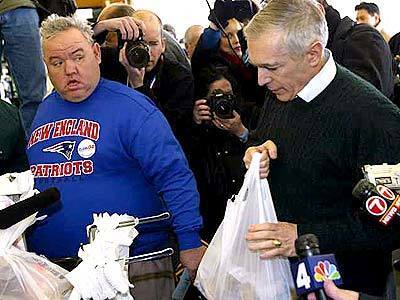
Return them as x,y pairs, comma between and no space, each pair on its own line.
221,135
221,45
166,79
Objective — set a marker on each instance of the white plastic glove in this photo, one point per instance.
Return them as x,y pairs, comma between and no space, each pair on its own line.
100,276
16,183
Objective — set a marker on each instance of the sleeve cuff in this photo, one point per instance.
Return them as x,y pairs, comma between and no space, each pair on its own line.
189,240
244,136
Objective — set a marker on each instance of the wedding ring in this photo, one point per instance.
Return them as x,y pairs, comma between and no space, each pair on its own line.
222,126
277,243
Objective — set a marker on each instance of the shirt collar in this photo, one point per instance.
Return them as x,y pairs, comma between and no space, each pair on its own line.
320,81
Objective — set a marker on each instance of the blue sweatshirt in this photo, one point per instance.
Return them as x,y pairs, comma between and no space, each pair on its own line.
113,152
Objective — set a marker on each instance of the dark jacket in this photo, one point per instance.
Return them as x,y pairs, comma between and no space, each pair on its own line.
219,171
361,49
394,44
170,85
12,140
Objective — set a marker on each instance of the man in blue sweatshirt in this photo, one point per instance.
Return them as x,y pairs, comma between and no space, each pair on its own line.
107,148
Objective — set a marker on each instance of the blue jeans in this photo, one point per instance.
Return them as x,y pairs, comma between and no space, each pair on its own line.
19,32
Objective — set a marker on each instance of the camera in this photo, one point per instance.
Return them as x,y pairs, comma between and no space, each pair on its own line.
222,104
137,51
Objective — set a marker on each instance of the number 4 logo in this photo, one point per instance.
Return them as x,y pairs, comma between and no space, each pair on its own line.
303,280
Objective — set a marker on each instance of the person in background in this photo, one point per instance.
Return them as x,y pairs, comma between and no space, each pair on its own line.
368,13
165,80
192,36
118,17
361,49
20,43
317,129
108,148
217,164
220,46
170,29
12,140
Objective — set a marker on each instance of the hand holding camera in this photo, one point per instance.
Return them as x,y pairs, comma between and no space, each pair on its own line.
127,26
135,75
201,112
217,104
219,109
233,125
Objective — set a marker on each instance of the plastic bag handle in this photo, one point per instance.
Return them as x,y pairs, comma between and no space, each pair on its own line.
253,173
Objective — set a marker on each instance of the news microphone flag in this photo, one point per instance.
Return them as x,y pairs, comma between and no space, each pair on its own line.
310,273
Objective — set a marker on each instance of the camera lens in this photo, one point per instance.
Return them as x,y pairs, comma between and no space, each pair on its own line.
137,54
223,109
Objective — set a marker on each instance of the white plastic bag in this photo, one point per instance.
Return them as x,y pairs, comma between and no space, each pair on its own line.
228,269
25,275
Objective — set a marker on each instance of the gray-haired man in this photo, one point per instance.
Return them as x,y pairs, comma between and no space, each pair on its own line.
319,126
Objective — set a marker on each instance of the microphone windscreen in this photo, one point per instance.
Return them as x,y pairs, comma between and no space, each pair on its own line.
362,188
23,209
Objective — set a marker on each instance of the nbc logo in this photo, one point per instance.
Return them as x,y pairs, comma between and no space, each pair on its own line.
325,270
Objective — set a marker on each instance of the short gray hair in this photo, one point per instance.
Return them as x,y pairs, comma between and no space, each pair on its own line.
55,24
302,23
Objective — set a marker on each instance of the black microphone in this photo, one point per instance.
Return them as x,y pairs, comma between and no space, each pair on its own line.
378,202
17,212
307,245
396,270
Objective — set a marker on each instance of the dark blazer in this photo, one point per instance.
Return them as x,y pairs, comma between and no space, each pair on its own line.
361,49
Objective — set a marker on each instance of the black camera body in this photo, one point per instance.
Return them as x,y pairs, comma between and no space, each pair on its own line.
137,51
222,104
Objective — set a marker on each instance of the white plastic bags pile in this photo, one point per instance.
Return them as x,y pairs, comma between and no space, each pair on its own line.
102,274
228,269
25,275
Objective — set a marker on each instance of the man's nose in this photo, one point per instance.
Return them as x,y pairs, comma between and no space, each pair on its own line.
264,76
70,66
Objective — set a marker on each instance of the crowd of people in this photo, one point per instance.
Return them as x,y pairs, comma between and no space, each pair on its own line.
177,132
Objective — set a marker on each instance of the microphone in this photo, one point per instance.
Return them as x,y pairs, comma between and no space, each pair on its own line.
396,270
17,212
379,202
310,272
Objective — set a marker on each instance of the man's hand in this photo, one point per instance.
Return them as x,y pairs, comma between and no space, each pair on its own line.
191,258
234,125
268,151
128,26
201,111
272,239
135,75
335,293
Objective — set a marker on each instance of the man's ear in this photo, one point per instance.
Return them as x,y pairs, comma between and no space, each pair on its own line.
314,54
97,52
163,44
377,19
321,7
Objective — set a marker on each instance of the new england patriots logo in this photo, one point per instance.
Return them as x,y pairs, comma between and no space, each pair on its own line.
64,148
